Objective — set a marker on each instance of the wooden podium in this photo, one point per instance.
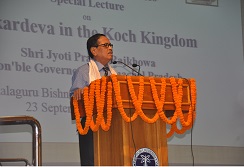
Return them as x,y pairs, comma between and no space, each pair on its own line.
118,145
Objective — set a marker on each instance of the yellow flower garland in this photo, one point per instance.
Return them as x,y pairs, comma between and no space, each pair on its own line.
99,88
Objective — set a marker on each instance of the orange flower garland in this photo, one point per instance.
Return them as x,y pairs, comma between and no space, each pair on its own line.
100,97
119,101
106,126
160,103
97,90
186,125
88,109
138,102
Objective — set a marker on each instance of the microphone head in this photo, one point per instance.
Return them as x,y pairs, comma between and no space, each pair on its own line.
114,62
134,65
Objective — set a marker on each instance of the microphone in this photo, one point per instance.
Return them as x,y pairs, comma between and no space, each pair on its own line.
134,65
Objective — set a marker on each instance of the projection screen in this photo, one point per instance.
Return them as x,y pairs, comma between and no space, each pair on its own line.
43,42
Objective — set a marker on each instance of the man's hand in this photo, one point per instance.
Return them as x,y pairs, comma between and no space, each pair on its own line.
78,93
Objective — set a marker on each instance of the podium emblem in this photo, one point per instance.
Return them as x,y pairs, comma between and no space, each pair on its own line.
145,157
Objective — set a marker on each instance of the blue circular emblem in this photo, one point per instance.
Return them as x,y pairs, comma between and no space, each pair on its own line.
145,157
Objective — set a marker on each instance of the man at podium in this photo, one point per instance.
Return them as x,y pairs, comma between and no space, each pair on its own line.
100,52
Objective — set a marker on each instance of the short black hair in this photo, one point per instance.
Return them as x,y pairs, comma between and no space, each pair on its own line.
92,42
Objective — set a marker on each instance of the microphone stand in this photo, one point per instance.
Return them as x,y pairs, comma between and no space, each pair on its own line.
138,73
135,65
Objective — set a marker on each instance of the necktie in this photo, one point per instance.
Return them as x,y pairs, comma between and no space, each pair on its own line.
105,71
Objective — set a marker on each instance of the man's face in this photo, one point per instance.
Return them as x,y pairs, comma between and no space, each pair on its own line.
102,53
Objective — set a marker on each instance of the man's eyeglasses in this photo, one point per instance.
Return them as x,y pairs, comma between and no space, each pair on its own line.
106,45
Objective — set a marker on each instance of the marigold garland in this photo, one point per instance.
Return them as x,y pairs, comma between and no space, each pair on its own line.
100,97
160,103
119,101
97,91
106,126
88,109
138,101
